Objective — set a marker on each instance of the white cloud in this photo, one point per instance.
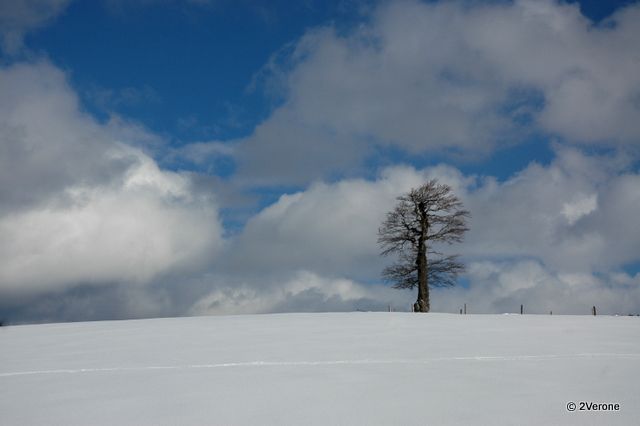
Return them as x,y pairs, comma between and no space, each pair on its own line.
17,17
300,291
80,205
529,235
575,214
104,222
88,217
329,228
455,77
128,233
580,207
501,287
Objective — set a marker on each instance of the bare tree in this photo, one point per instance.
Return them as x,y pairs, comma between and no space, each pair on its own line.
425,216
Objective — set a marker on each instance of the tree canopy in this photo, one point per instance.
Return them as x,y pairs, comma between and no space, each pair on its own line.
424,219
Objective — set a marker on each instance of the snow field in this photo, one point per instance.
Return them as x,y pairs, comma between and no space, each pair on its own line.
342,368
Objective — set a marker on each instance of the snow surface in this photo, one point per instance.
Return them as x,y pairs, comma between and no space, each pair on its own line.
306,369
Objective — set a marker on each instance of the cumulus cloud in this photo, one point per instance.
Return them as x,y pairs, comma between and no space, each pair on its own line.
48,143
461,78
17,17
565,214
575,214
300,291
110,234
551,235
130,232
329,228
82,207
92,226
501,287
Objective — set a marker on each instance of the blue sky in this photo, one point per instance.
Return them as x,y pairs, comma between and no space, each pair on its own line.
168,157
214,51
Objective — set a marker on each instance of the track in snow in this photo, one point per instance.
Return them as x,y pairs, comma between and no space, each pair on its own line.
324,363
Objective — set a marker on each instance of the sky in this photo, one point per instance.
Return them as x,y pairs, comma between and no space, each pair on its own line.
195,157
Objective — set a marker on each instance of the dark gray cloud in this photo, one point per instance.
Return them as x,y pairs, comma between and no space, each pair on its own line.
83,303
47,143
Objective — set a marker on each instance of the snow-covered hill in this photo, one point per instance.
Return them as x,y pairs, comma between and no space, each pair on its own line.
324,369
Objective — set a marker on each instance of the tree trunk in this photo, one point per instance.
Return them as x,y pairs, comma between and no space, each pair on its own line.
422,304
